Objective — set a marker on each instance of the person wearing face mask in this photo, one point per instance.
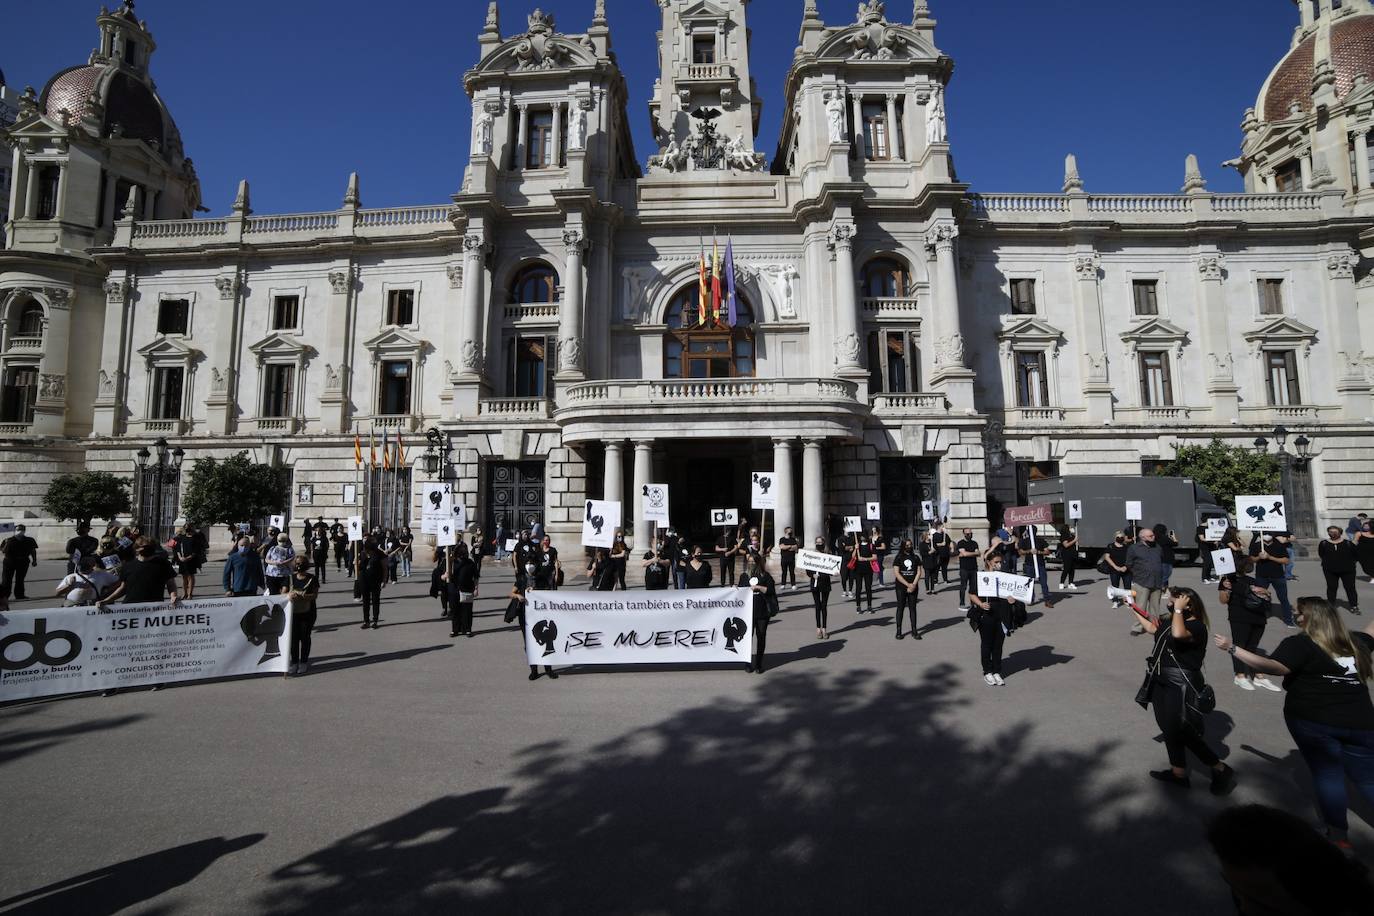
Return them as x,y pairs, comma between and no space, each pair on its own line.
1114,566
863,558
1338,566
372,578
145,578
521,553
462,591
656,569
929,558
1068,558
1247,609
728,547
905,569
968,552
518,604
548,569
993,619
944,550
760,583
787,554
601,571
880,551
438,588
277,565
618,557
1364,549
243,573
682,555
304,589
698,573
820,594
1271,558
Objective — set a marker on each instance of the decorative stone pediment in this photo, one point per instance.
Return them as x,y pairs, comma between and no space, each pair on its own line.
1282,332
1155,334
540,50
873,38
395,343
280,347
168,350
1029,332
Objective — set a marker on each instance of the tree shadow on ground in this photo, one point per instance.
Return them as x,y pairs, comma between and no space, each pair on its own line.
809,794
125,884
16,744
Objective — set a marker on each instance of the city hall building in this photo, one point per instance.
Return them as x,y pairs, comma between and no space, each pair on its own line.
900,334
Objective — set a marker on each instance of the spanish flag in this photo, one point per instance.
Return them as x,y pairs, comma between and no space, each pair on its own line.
357,450
386,450
702,291
715,280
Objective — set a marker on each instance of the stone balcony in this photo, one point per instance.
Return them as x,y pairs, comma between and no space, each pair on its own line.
709,408
890,307
909,405
285,229
1155,209
513,409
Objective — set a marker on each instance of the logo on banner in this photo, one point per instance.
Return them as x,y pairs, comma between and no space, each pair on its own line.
1075,509
38,642
546,634
264,625
735,630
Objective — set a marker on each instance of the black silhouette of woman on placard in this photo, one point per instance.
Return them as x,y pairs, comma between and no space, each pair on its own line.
596,520
734,630
546,633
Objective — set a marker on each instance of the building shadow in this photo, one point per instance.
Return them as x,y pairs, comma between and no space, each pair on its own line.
125,884
806,792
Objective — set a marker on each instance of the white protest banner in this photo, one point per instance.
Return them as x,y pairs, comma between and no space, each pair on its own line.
355,528
445,534
927,510
510,544
1134,512
853,523
599,521
723,517
278,522
1261,513
1223,561
78,649
811,561
653,503
1075,510
764,494
1006,585
436,502
1216,528
708,625
875,512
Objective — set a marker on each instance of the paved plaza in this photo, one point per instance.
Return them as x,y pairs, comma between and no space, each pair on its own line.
411,772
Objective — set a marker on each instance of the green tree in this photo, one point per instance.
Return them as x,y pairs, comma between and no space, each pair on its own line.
1226,470
87,495
234,489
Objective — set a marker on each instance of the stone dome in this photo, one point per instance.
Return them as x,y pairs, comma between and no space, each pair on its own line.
1352,53
128,101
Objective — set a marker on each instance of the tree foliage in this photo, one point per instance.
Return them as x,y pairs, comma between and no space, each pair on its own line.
87,495
1226,470
234,489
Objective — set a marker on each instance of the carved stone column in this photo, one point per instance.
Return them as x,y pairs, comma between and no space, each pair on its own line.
571,355
613,481
951,375
1352,384
856,106
848,344
219,406
470,379
813,492
1361,161
643,470
894,148
785,515
522,139
1222,390
338,367
110,381
1092,336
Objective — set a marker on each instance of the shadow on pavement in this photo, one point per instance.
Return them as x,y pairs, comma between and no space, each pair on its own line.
401,655
14,745
1033,660
804,793
125,884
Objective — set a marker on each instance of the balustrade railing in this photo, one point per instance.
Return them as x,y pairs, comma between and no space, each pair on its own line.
181,229
524,408
291,222
406,216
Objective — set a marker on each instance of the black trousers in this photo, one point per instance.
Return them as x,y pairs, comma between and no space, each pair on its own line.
789,569
1182,728
821,599
338,556
1070,566
302,625
321,561
906,601
862,576
1120,579
1205,554
944,567
760,635
991,637
968,579
14,573
462,616
846,577
619,567
1246,636
1346,579
932,572
372,601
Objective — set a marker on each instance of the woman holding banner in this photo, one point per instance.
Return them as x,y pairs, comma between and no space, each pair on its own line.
516,611
820,594
757,580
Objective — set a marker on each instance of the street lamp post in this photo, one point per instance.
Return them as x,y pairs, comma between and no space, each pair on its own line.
439,455
1298,507
164,474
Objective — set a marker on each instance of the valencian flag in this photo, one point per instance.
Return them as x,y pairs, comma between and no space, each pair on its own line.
372,446
715,280
386,450
701,287
731,311
400,451
357,450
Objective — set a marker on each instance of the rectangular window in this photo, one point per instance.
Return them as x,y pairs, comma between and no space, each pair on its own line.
49,177
172,316
539,149
1156,389
529,364
400,307
394,397
1032,385
1146,295
278,382
1288,177
876,134
1282,377
167,383
1023,297
19,392
1271,297
285,313
891,363
703,49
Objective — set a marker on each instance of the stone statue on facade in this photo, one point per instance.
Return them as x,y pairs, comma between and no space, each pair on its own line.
936,130
783,277
481,133
672,158
738,155
570,354
577,128
105,384
835,117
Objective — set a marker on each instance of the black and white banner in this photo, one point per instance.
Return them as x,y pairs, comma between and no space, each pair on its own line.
76,649
698,626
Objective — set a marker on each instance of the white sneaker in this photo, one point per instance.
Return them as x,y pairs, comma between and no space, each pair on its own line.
1071,587
1244,683
1267,684
997,679
990,680
963,607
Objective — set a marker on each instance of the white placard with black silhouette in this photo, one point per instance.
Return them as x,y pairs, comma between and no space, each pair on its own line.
927,510
600,518
278,522
764,490
723,517
445,533
853,523
702,626
875,512
1224,561
355,527
653,503
436,502
1075,510
1216,528
1261,513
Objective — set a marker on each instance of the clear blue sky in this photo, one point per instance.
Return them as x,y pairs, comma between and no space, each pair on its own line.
295,94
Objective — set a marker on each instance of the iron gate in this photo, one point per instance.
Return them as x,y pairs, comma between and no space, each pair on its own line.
515,494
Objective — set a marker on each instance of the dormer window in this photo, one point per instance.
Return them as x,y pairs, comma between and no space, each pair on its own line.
131,52
703,49
540,151
49,178
1288,177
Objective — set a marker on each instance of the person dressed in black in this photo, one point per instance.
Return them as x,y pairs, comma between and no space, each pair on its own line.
372,578
1338,565
1271,558
787,556
1180,649
880,551
145,578
462,591
547,568
728,547
656,570
1115,566
518,603
943,544
905,567
1204,553
993,619
82,544
929,558
1247,609
318,546
968,553
619,557
757,580
20,552
338,537
843,548
438,588
601,571
523,553
820,594
698,573
862,575
1068,558
304,589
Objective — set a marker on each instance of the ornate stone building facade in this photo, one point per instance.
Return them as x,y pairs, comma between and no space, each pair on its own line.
900,337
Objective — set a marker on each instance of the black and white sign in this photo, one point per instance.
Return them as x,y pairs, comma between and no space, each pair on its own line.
600,519
653,503
811,561
927,510
875,512
1075,509
1261,513
436,503
355,527
76,649
853,523
700,626
722,517
278,522
1224,562
1216,528
1134,512
764,490
1006,585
